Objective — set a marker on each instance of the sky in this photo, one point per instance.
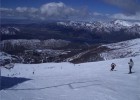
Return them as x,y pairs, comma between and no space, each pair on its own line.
71,9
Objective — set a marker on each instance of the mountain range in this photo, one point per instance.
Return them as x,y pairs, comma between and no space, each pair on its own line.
81,32
70,41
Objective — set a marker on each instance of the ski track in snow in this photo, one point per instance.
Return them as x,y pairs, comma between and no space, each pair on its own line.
66,81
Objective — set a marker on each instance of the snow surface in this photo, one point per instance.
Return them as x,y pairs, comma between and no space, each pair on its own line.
66,81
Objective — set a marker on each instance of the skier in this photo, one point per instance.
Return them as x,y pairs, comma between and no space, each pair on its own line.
112,66
131,64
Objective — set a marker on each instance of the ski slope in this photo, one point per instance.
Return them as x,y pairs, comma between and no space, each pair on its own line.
66,81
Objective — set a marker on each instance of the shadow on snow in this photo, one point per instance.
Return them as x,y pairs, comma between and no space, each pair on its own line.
8,82
70,85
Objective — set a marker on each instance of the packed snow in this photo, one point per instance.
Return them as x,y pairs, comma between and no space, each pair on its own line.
67,81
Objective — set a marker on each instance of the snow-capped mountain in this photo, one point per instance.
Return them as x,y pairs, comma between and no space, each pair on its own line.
108,27
126,23
130,48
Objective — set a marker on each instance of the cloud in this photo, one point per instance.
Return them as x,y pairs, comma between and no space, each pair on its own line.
6,12
130,9
97,14
5,9
57,10
46,11
129,6
26,9
135,17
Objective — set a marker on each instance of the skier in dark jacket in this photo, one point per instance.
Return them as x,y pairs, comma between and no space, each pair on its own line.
112,66
131,64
